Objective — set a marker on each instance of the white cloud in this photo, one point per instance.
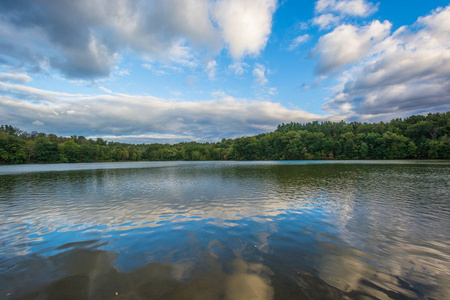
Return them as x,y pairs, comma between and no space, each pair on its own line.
122,72
272,91
347,44
360,8
33,94
330,13
38,123
245,24
326,21
298,40
302,26
89,43
238,68
168,30
180,54
15,77
176,93
438,22
158,71
259,74
105,89
131,115
219,94
211,68
139,138
147,66
403,72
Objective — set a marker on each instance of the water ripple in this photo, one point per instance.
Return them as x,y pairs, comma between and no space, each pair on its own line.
321,230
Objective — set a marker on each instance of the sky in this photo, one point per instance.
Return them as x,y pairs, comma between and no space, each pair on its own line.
144,71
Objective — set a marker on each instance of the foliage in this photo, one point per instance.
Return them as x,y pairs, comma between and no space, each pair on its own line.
414,137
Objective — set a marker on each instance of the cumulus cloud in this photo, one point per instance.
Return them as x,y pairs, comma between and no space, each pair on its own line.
403,72
245,24
347,44
123,116
84,39
360,8
298,40
259,74
45,31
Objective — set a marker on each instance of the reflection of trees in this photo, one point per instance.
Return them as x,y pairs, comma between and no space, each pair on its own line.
393,234
376,228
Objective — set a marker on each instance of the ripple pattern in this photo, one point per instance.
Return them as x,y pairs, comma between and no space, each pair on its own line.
319,230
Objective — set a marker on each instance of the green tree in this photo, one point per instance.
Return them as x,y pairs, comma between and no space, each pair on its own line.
11,149
29,149
70,151
46,151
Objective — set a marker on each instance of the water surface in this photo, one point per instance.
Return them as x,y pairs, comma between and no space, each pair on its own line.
226,230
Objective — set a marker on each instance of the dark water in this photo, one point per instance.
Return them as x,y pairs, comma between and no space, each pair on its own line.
226,230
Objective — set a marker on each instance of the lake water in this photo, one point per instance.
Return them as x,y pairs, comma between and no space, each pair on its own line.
226,230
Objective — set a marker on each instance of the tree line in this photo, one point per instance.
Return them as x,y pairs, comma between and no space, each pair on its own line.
415,137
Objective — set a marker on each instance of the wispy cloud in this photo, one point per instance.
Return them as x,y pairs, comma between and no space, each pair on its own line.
239,68
298,40
15,77
105,89
146,116
211,69
259,74
330,13
360,8
272,91
326,21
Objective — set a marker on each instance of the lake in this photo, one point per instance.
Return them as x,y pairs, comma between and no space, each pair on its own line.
226,230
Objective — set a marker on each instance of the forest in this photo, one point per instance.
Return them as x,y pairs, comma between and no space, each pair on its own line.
415,137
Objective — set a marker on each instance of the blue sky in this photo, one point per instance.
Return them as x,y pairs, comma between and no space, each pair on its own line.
202,70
